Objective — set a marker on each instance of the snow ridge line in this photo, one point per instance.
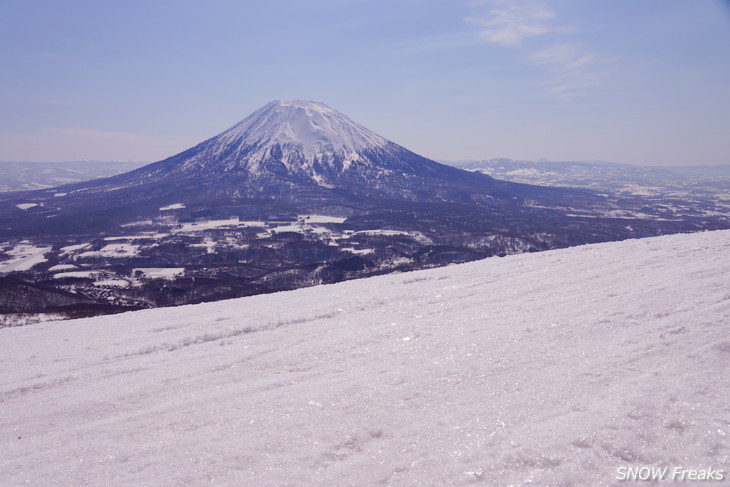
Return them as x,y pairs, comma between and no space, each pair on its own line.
38,386
224,335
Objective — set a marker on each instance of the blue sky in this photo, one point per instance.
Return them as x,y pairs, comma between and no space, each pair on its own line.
643,82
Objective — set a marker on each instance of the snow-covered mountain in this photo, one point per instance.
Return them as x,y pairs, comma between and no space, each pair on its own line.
313,126
566,367
300,150
288,155
299,134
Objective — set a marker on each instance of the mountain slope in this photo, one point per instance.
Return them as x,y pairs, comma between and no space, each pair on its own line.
555,368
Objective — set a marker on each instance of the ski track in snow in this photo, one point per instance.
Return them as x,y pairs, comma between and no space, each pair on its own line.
538,369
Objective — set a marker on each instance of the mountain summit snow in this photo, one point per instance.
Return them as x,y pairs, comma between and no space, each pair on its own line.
311,128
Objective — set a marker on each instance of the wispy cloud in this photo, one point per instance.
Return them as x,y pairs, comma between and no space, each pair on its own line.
566,57
572,65
508,23
574,68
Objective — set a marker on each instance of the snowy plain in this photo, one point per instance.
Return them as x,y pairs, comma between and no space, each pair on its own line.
555,368
23,256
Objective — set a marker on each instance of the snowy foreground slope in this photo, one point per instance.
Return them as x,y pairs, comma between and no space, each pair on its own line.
555,368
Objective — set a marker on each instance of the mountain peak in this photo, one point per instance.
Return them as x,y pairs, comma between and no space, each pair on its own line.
304,104
310,128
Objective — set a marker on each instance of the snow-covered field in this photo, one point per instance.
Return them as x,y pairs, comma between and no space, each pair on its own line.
23,256
557,368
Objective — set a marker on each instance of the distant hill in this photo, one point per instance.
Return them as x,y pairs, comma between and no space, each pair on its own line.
722,170
602,176
23,176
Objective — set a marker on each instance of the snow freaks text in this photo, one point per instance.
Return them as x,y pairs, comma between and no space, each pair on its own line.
675,474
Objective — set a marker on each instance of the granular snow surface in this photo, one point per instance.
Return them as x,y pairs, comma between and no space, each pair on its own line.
557,368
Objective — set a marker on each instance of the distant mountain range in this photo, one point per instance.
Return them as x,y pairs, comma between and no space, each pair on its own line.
26,176
295,194
605,176
688,190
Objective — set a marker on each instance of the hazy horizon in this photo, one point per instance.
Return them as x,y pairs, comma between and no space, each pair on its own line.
442,161
638,83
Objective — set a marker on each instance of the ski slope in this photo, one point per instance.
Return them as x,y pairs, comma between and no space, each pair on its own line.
557,368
